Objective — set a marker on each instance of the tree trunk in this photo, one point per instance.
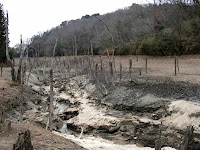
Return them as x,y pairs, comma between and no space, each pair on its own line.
20,63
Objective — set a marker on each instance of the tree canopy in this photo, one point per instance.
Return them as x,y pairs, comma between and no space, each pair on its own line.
2,35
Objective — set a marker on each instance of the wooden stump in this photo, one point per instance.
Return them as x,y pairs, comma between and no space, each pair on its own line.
23,142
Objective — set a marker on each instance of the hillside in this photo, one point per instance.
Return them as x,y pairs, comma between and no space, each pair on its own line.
161,29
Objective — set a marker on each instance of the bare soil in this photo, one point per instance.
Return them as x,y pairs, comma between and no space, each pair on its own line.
129,115
41,138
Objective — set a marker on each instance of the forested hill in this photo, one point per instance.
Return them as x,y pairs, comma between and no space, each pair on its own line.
161,29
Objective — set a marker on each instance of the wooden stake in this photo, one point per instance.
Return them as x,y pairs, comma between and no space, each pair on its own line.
146,65
111,73
175,65
20,61
188,137
96,72
120,74
130,66
91,46
48,125
140,71
158,143
101,62
22,92
2,117
1,69
9,126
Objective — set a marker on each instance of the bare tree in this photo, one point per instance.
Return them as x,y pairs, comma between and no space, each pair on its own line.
20,61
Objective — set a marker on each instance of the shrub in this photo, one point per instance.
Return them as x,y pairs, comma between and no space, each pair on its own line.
123,49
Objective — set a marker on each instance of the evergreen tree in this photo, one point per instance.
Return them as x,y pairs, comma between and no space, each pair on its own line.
2,35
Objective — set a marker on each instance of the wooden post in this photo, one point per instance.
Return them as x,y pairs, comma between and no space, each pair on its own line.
136,58
146,64
111,73
101,62
130,67
48,125
22,93
13,70
31,66
1,69
114,66
96,72
158,143
175,65
75,46
188,137
20,62
91,46
9,126
120,72
2,117
140,71
68,66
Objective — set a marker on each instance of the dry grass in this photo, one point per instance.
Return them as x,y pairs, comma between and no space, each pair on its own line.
157,66
164,67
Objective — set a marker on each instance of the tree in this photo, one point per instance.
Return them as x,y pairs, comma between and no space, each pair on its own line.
2,35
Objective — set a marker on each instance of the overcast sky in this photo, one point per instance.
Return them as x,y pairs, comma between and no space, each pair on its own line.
29,17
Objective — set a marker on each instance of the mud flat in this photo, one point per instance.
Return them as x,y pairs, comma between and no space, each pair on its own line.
137,112
128,117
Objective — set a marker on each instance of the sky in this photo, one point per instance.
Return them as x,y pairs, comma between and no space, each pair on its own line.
30,17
